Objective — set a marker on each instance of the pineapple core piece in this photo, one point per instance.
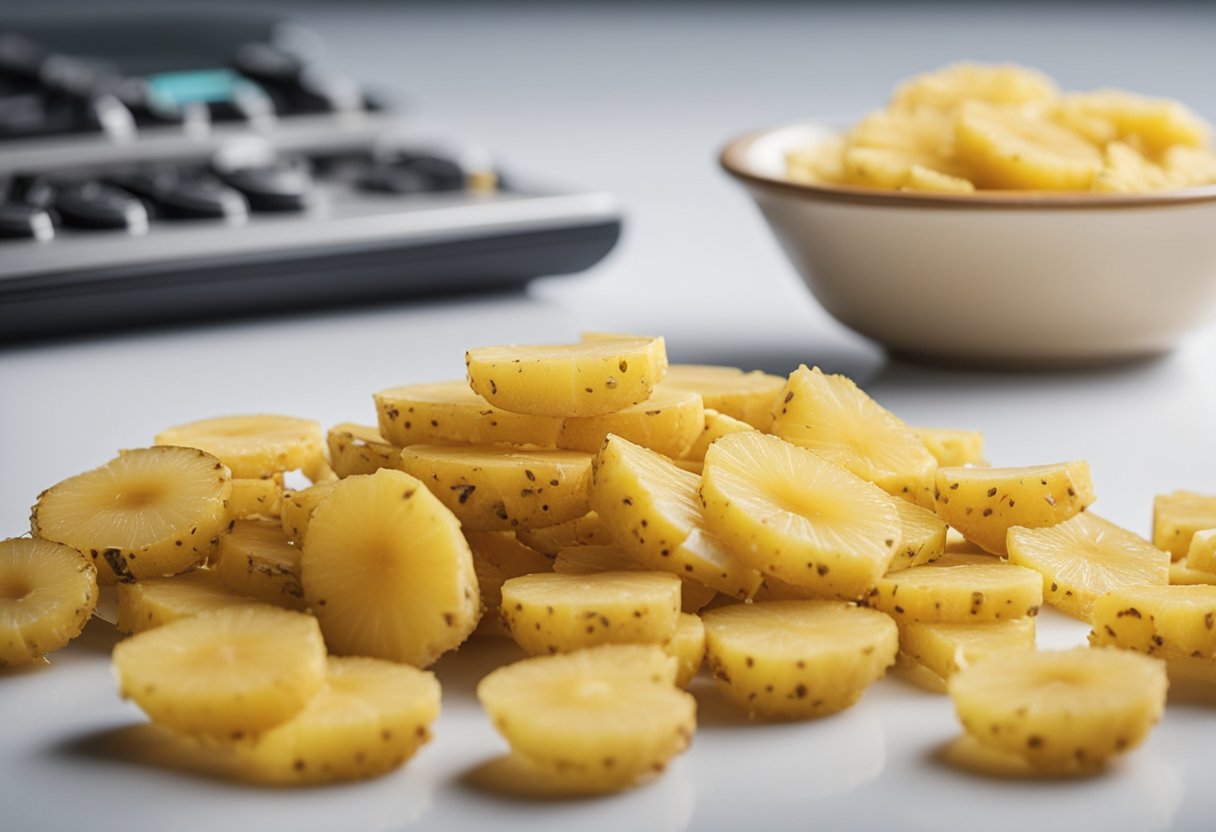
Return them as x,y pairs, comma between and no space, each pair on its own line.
47,593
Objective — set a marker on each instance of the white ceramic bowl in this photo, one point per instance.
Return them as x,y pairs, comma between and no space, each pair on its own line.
1003,278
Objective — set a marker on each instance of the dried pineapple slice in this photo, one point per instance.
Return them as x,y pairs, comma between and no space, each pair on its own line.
359,449
952,86
1201,554
967,592
1176,518
1084,557
588,560
653,511
369,717
952,447
588,530
797,659
256,497
602,718
253,446
558,613
148,512
796,516
831,416
47,593
387,571
498,557
748,397
984,503
258,559
668,422
298,506
1172,622
717,425
946,648
500,489
1006,149
448,411
227,673
588,379
687,646
1060,710
922,536
154,602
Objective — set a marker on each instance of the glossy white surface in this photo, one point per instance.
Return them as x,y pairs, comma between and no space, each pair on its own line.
698,265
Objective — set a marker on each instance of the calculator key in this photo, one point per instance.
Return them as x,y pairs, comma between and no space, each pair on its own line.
183,196
278,186
32,190
392,180
95,205
19,221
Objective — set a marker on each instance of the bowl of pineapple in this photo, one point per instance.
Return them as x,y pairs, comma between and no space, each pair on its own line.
987,218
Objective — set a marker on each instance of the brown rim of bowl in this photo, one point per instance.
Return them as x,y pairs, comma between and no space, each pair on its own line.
732,160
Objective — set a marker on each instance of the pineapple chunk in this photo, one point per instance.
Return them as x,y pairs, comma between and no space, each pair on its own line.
256,498
47,593
966,592
257,559
716,426
748,397
588,530
984,503
1060,710
1188,167
1172,622
1176,518
359,449
497,557
148,512
601,719
946,648
831,416
797,659
1084,557
226,673
878,167
588,379
555,613
448,411
1127,172
1181,574
952,447
499,489
687,646
1007,149
298,507
652,508
1152,125
253,446
668,422
154,602
798,517
590,560
368,719
950,87
922,536
387,571
928,180
1201,554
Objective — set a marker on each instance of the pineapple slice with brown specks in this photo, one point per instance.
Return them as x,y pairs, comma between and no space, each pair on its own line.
717,425
387,571
589,560
797,659
1171,622
588,530
154,602
47,593
448,411
959,590
922,536
668,422
253,446
498,557
946,648
830,415
256,497
1060,710
258,559
359,449
794,515
1085,557
1176,518
747,397
298,506
688,647
146,513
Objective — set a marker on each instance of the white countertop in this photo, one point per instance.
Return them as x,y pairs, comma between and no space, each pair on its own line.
637,101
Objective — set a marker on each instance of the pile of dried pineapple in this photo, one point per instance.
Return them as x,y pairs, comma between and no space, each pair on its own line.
973,127
623,522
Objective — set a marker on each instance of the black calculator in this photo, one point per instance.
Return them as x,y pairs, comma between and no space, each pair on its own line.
157,170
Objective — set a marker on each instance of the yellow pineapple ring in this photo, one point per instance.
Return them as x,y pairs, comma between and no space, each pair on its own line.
797,659
747,397
588,379
448,411
358,449
47,593
602,718
1085,557
369,717
148,512
253,446
796,516
226,673
154,602
668,422
256,558
1060,710
960,592
499,489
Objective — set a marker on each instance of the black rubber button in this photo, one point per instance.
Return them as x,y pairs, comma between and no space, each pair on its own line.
282,186
94,205
19,221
